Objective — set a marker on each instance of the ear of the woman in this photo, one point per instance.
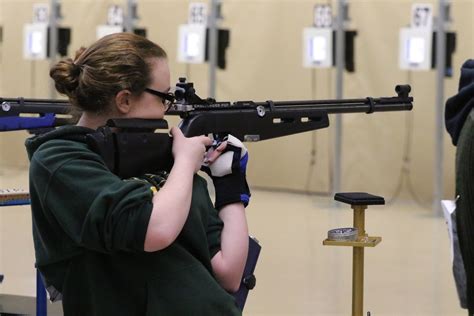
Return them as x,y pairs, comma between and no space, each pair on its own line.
122,101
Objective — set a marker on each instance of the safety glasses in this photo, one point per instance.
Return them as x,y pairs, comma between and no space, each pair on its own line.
167,98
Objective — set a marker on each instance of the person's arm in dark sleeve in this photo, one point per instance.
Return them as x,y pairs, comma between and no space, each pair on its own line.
96,209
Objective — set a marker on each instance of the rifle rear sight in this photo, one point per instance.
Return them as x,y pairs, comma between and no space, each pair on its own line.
186,94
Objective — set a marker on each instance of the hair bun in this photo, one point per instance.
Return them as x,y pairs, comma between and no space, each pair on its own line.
66,76
76,70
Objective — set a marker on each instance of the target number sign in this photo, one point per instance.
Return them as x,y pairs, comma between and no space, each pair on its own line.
322,16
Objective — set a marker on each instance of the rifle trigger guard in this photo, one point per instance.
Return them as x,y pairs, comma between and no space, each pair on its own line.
371,105
261,111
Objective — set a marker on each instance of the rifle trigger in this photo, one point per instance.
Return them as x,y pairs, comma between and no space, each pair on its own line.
215,143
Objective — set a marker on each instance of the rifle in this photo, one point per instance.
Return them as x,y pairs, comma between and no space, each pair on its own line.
121,139
249,121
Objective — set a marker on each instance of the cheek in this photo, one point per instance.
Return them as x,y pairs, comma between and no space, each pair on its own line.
150,109
155,112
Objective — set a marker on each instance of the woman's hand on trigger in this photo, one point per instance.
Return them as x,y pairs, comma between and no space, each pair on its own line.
213,154
189,150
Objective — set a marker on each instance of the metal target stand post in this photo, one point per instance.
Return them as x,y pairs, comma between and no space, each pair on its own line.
360,240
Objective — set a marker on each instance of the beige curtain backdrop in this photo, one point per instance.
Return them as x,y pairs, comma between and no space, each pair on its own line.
264,62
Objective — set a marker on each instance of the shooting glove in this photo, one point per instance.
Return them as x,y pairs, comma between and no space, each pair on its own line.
228,173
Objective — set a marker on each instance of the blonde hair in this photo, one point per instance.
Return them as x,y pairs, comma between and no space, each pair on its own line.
113,63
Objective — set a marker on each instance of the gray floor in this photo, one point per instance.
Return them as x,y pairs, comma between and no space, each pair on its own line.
408,273
15,305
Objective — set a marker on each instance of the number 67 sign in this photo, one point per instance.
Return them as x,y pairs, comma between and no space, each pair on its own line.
422,16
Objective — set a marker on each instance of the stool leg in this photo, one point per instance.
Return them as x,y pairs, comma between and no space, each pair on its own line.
358,264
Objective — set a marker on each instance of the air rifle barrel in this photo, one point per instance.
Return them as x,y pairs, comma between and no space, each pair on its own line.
328,106
21,105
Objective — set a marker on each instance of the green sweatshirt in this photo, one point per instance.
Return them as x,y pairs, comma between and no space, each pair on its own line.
89,230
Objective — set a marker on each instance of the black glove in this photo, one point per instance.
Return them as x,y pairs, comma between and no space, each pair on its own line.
228,173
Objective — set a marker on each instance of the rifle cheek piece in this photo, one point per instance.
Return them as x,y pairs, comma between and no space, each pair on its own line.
127,153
